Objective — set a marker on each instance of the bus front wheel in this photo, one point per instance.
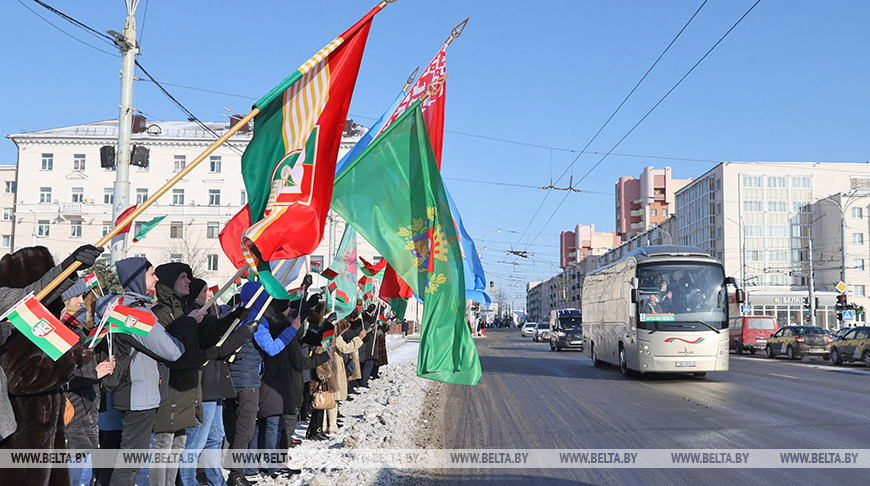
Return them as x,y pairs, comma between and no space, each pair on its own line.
699,374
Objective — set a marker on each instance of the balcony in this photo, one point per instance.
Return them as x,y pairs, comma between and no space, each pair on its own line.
72,209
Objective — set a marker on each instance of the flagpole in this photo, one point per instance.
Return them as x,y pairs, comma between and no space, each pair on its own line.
411,79
151,200
456,32
248,305
223,289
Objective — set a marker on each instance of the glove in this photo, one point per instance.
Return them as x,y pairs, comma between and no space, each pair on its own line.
371,308
330,319
86,254
241,313
307,280
253,325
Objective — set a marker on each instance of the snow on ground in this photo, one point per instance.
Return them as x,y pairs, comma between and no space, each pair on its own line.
387,415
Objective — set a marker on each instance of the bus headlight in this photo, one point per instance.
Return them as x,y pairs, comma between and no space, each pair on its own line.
644,348
723,348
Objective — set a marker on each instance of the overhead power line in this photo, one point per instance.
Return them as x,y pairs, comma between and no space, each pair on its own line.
662,99
615,111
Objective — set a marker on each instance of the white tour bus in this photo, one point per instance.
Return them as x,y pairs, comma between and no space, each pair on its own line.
659,309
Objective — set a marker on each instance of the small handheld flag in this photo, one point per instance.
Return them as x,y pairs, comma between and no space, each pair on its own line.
39,325
327,338
128,320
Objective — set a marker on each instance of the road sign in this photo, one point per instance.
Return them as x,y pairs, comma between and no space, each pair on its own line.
841,286
848,315
745,309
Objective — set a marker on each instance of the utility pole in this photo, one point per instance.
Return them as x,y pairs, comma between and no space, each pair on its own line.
812,285
129,50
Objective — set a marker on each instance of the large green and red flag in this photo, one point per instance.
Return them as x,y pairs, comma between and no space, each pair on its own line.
289,165
414,231
41,327
344,268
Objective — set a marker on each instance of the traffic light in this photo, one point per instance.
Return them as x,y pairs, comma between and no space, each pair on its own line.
817,303
806,301
841,302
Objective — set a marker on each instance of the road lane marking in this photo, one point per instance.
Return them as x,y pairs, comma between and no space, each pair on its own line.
831,368
784,376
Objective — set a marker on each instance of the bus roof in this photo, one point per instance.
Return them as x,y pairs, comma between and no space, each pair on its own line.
653,251
567,312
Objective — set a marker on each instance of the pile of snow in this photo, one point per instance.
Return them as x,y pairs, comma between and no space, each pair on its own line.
385,416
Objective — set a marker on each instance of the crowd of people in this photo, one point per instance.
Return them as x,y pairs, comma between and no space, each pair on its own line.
239,376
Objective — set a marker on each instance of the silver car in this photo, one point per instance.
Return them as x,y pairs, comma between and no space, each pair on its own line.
528,329
542,332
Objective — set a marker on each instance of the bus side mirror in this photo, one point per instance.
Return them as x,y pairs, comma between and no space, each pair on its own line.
740,296
730,281
634,296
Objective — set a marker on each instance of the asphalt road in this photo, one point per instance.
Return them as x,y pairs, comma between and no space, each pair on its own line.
531,398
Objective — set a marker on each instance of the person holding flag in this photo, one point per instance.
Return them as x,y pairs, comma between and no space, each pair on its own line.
83,390
143,357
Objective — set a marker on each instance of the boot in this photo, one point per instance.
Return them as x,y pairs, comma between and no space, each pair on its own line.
237,479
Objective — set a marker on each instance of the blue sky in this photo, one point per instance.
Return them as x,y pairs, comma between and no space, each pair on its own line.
788,84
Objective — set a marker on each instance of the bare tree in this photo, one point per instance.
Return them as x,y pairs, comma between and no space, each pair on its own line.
190,250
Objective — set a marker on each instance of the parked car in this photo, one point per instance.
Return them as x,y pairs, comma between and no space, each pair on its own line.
854,345
795,342
528,329
750,333
542,331
566,330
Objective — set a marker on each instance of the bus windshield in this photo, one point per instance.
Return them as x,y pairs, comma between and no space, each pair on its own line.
569,322
681,296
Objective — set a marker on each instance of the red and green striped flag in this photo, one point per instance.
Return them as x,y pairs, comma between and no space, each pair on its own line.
128,320
414,231
289,165
296,294
341,296
41,327
327,337
92,281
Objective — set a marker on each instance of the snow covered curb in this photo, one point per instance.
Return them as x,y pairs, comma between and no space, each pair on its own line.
387,415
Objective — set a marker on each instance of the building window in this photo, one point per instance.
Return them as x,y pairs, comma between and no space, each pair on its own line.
212,263
78,194
751,181
753,207
6,241
178,197
858,238
44,195
179,163
653,212
137,228
858,264
176,229
47,162
777,206
317,263
75,229
8,214
775,181
243,199
213,229
79,162
214,164
214,197
108,195
141,195
175,257
857,213
860,291
664,212
107,226
42,227
10,187
802,182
